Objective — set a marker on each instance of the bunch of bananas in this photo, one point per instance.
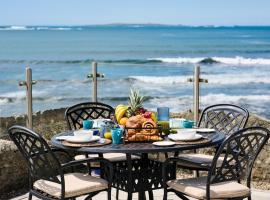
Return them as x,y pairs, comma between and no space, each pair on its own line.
120,112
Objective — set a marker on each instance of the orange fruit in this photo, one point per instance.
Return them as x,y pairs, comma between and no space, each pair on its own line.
123,121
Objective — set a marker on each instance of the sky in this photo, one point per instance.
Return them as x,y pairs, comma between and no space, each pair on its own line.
87,12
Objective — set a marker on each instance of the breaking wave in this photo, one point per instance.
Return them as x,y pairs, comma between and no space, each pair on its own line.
238,60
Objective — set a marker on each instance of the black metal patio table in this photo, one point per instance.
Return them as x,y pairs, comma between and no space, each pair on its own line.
139,175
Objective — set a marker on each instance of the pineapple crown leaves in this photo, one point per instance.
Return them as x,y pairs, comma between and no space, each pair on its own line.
135,98
135,101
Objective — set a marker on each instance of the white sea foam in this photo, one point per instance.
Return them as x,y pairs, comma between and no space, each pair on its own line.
19,96
238,60
61,29
4,101
16,28
221,98
185,102
160,79
221,79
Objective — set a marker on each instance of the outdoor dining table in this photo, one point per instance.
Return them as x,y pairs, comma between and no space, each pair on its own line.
144,174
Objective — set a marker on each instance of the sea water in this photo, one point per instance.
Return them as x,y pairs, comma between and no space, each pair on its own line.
156,59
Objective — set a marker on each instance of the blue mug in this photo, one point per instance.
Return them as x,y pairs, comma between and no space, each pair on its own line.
187,124
117,134
87,124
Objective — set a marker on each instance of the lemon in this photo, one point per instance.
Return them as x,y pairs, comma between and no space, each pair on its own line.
108,135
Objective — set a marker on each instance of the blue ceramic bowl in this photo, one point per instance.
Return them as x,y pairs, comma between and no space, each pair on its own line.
187,124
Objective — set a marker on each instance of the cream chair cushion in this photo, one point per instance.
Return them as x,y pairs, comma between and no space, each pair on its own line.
113,157
76,184
196,188
201,158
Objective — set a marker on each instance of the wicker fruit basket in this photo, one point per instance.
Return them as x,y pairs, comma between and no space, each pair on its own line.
143,134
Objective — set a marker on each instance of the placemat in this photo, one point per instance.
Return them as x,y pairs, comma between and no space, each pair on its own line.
87,144
199,141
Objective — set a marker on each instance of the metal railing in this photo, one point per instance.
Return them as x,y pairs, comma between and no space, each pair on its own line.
94,75
28,83
196,91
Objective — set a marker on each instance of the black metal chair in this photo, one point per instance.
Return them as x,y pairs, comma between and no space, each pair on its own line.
224,179
75,115
49,178
224,118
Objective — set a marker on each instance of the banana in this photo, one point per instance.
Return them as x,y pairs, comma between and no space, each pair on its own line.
120,114
154,118
120,111
119,107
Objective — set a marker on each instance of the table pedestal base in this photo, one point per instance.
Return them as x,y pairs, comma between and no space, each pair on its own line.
141,175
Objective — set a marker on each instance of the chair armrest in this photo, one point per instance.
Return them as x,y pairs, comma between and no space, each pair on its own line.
56,150
186,163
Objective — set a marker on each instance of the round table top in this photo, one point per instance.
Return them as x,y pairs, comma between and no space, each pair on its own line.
136,147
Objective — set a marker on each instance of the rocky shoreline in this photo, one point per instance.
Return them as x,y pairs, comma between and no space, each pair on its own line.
50,122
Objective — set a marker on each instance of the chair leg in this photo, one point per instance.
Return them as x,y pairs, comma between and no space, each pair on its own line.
129,196
30,196
150,193
165,195
109,194
117,194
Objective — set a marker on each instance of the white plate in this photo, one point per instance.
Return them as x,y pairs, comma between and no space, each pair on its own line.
205,130
182,137
63,137
164,143
82,139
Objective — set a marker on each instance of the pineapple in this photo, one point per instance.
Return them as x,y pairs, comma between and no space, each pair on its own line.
135,103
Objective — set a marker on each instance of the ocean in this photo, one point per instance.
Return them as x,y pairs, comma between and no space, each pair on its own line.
155,59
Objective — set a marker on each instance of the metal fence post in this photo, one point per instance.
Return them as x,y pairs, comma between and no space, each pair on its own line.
94,77
28,83
196,92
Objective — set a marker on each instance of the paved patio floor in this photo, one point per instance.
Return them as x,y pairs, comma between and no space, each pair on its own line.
158,195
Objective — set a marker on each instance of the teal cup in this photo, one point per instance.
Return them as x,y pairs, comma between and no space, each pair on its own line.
117,134
87,124
187,124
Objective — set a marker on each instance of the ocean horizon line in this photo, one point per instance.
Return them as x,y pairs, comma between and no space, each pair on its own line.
138,24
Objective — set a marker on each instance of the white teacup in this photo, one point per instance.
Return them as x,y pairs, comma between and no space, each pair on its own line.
187,134
82,133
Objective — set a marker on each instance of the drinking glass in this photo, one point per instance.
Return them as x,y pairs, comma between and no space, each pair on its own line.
163,113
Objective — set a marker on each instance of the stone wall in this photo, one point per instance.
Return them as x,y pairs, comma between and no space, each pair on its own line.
47,123
13,171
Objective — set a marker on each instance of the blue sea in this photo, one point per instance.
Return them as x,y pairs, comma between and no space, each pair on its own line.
156,59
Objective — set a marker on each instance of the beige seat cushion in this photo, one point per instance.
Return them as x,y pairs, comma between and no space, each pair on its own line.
76,184
196,187
202,158
113,157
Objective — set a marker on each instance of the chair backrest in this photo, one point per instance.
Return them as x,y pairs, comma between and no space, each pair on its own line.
41,161
225,118
75,114
238,152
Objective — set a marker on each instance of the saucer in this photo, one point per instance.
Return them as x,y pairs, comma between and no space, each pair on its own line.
164,143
